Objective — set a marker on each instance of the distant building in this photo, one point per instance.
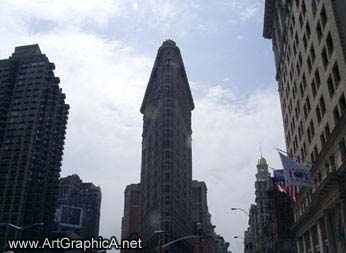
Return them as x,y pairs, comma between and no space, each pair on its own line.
250,234
282,208
221,244
202,219
78,200
309,46
33,119
271,218
130,221
263,184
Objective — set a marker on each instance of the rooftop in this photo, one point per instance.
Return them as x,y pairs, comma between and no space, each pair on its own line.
28,50
169,42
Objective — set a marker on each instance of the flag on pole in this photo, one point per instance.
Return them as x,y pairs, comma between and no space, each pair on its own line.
295,174
279,180
291,191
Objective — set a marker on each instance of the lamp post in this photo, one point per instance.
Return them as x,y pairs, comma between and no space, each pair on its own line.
158,240
159,246
180,239
238,237
21,228
240,209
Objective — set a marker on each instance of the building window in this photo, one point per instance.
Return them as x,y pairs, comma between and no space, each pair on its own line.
322,105
330,44
297,4
319,31
167,177
308,106
303,8
327,130
313,88
314,7
336,74
316,152
336,114
308,31
301,22
312,129
342,103
331,86
312,157
305,42
342,147
318,114
309,135
325,58
323,139
296,40
317,78
309,64
312,54
332,162
323,15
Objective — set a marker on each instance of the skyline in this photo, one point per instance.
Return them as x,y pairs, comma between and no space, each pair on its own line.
114,89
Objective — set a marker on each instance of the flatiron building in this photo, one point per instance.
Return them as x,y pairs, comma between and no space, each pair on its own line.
166,170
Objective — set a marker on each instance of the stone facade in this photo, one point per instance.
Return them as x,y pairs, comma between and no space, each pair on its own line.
309,48
166,171
167,204
33,118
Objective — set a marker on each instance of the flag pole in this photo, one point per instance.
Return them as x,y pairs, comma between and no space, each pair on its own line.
309,164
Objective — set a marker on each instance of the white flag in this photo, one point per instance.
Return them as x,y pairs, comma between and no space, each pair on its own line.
295,174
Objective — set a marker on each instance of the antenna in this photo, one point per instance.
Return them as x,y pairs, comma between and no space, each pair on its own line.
261,149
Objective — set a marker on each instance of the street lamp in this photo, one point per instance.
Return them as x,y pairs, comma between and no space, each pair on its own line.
238,237
21,228
158,239
240,209
180,239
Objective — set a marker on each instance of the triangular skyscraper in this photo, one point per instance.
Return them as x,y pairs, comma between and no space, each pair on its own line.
166,170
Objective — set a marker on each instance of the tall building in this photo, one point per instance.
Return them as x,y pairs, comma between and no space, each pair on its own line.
130,221
263,184
282,208
309,48
201,219
166,171
221,245
271,218
250,234
33,118
79,206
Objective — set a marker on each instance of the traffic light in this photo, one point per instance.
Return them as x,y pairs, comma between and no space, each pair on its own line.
203,240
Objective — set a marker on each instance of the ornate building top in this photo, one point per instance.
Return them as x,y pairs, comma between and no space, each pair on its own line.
262,161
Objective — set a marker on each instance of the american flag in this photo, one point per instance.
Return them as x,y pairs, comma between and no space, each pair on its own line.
291,191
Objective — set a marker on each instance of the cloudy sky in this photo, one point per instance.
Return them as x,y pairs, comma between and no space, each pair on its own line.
104,52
